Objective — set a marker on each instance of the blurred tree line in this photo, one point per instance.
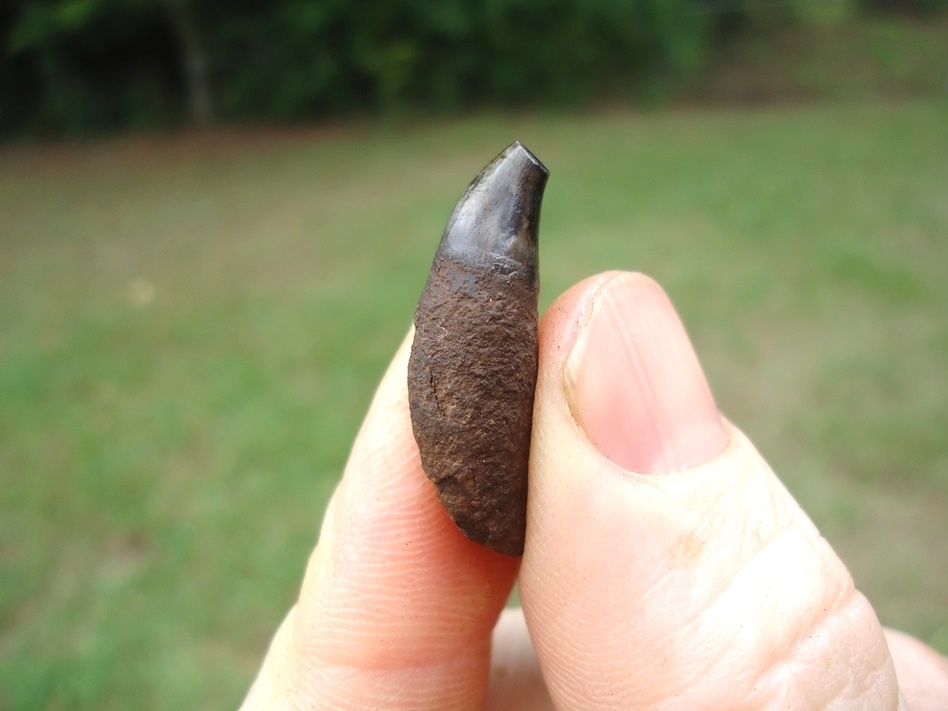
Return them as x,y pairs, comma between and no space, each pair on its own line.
79,66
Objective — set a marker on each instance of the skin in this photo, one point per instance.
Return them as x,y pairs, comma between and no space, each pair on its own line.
666,566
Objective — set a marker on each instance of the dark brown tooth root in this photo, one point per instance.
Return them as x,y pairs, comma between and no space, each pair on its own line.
473,366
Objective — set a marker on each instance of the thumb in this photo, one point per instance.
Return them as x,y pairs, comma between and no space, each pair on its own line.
666,566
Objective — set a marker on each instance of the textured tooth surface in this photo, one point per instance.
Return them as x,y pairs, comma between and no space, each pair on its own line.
473,365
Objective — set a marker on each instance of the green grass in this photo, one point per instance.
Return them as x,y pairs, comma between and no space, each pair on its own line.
192,327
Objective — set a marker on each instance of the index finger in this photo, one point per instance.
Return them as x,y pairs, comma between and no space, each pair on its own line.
397,606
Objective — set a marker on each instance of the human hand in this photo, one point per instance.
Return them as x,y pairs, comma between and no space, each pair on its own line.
666,566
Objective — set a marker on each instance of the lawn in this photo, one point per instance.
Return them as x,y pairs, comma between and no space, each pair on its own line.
191,328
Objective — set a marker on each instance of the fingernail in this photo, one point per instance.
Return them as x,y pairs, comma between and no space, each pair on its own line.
635,385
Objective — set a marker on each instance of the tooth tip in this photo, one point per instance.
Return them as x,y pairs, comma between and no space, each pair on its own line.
525,155
496,221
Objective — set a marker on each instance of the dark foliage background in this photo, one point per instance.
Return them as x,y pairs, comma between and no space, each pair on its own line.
79,66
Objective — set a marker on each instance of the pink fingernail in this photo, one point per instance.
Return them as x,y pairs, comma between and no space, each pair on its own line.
635,385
